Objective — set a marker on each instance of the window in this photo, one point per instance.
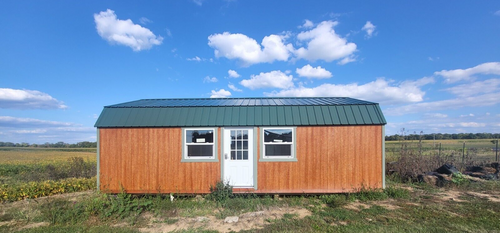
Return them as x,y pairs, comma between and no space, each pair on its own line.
199,144
278,144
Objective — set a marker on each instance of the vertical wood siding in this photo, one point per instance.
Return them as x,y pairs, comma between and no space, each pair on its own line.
330,159
148,160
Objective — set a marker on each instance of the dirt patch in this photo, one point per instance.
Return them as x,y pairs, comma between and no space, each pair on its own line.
247,221
450,195
387,204
490,197
357,206
34,225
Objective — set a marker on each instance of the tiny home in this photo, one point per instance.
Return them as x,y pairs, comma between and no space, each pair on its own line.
259,145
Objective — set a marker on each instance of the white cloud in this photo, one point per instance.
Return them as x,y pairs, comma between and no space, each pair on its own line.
207,79
472,101
497,13
169,33
35,131
234,88
436,115
16,122
273,79
468,115
198,2
433,58
220,94
307,24
233,74
311,72
247,50
472,124
324,44
486,86
381,91
196,58
144,21
452,76
346,60
28,99
369,28
124,32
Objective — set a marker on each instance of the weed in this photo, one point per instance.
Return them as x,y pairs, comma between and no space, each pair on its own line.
334,200
221,192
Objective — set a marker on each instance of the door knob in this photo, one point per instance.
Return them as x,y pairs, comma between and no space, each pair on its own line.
225,156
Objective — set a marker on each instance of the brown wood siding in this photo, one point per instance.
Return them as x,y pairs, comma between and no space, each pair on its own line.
330,159
148,160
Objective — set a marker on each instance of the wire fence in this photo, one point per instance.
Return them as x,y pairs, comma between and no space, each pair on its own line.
476,150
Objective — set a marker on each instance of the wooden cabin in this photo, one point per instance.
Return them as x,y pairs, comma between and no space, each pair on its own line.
259,145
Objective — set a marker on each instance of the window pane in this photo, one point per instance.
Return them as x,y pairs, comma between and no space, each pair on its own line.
238,155
245,145
238,144
233,155
233,145
199,136
278,135
200,150
245,155
278,150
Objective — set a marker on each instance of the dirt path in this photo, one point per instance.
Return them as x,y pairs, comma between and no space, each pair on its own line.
246,221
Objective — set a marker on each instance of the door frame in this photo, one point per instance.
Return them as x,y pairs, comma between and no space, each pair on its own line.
255,153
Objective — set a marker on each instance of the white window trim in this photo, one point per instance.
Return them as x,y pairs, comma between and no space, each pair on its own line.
186,158
293,144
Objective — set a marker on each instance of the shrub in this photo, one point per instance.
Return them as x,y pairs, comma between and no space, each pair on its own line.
334,200
221,192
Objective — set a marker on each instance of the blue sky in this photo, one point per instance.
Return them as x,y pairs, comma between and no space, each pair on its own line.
433,66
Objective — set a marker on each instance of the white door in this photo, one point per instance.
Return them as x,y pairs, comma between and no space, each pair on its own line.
238,157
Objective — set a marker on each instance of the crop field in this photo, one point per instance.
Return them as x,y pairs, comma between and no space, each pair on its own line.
37,172
13,155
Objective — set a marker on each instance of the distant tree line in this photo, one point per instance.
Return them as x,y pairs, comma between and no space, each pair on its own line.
443,136
51,145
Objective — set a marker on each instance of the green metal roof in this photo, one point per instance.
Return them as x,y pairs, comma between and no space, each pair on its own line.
241,112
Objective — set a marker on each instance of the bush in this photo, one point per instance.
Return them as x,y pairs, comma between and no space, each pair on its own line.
221,192
334,200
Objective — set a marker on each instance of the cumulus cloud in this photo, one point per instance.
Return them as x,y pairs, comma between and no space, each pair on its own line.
124,32
324,44
486,86
207,79
456,103
234,88
380,90
273,79
247,50
436,115
452,76
28,99
307,24
233,74
369,28
220,94
313,72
